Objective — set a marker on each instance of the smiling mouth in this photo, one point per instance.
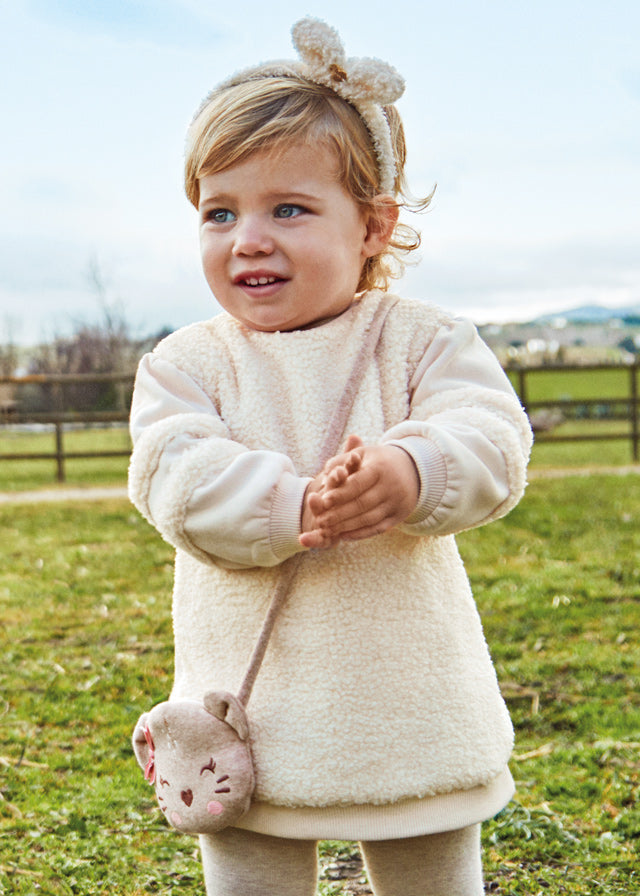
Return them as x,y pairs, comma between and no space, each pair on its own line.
261,281
258,281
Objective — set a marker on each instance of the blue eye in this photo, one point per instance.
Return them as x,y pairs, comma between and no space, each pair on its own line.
220,216
288,211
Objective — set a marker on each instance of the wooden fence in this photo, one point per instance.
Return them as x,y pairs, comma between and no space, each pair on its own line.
622,408
57,415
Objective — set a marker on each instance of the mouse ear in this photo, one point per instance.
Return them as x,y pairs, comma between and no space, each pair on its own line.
317,43
228,709
143,747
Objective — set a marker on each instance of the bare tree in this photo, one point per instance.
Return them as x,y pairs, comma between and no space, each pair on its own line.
9,356
104,346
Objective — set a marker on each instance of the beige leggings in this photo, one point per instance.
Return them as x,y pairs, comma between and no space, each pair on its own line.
241,863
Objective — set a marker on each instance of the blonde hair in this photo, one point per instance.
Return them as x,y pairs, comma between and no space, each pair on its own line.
274,112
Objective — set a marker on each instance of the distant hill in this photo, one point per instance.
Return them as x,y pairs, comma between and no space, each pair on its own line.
589,334
591,314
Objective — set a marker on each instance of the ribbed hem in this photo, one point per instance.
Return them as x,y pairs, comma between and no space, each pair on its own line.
432,470
284,525
407,818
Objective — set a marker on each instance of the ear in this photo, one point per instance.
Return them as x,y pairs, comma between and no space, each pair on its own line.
381,219
228,709
141,745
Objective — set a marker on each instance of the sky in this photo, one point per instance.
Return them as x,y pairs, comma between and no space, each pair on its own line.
525,115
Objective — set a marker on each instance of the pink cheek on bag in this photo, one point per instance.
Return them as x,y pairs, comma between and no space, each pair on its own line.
175,819
215,808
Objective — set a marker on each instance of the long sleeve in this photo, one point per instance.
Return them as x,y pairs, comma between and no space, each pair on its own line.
204,492
466,432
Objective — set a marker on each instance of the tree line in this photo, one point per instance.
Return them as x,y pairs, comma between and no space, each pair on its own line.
104,346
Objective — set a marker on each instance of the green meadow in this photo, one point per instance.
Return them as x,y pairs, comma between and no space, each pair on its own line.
553,384
86,647
23,474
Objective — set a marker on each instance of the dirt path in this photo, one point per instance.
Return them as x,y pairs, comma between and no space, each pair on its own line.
63,494
563,472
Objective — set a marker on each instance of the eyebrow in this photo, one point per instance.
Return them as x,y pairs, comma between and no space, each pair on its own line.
285,195
217,199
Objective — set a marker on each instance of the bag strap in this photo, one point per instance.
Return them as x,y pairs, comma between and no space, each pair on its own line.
335,430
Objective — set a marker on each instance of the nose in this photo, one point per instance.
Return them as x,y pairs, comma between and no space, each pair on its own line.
252,237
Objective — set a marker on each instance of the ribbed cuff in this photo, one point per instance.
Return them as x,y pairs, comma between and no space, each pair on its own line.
286,510
432,471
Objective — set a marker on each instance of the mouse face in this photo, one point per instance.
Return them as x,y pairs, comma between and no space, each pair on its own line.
198,758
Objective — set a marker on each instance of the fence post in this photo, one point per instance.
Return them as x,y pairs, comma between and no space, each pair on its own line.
522,387
635,435
59,451
58,403
120,400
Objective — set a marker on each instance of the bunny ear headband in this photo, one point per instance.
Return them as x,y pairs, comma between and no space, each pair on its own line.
367,84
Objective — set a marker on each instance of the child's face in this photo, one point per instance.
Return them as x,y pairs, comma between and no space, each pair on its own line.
282,242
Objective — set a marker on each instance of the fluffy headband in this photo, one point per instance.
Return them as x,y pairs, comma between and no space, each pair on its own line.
367,84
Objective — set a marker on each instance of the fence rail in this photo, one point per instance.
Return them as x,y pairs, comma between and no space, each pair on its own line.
57,414
609,407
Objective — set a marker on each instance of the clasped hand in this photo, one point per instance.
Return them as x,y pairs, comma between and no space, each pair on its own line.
364,491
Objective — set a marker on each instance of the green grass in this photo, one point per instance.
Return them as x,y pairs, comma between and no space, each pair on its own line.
601,453
551,385
19,475
86,646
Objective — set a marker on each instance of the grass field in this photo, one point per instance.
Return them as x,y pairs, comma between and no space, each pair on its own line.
553,384
18,475
86,646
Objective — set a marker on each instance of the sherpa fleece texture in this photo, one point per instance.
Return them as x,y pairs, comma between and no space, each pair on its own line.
377,685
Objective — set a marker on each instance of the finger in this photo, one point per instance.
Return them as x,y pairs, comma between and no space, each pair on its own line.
315,502
352,442
366,532
378,519
345,458
375,520
337,477
354,461
358,484
317,539
339,474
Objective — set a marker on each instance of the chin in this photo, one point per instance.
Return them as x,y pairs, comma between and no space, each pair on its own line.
266,325
262,326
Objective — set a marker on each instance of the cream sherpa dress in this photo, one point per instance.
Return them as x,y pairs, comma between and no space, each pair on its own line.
377,712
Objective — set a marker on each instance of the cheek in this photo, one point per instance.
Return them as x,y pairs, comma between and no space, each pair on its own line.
334,260
346,267
210,257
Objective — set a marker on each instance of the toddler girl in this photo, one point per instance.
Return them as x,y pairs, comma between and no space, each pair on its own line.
376,716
